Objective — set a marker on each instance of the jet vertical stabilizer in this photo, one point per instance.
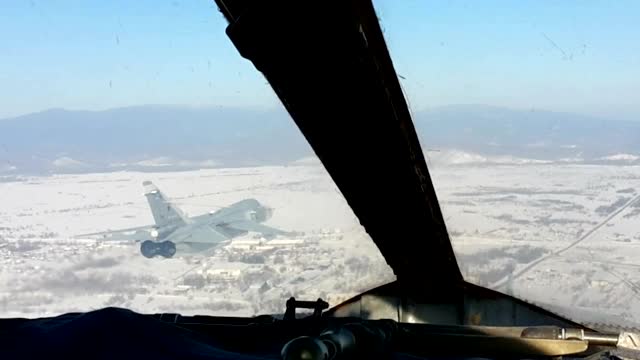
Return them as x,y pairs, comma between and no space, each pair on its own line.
164,212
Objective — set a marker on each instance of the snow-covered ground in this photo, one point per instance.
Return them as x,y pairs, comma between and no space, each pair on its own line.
562,236
45,269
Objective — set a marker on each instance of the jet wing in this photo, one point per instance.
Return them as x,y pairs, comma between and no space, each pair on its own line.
198,234
258,228
128,234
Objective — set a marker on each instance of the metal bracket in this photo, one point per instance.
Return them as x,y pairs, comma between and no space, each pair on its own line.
293,304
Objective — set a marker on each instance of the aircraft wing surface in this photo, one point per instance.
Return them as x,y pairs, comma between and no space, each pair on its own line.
128,234
257,228
198,234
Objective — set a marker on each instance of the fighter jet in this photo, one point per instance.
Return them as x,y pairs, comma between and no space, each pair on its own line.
174,231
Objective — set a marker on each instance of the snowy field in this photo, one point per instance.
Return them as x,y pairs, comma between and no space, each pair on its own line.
46,270
565,237
561,236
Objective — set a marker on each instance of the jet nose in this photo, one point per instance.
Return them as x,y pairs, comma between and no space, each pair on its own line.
261,214
268,212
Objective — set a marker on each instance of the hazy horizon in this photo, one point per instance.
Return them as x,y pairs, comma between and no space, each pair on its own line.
281,109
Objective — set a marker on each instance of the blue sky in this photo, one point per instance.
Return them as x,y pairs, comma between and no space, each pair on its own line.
577,56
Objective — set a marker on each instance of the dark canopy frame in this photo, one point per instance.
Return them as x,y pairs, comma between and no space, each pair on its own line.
329,65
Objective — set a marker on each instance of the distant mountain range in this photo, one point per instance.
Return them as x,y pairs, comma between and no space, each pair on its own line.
173,137
532,134
147,137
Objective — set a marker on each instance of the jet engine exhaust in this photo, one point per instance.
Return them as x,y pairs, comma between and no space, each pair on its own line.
150,249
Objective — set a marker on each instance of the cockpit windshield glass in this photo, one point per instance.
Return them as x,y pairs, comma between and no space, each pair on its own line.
144,164
528,113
